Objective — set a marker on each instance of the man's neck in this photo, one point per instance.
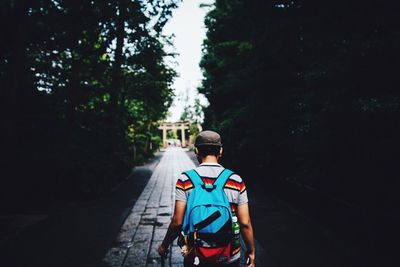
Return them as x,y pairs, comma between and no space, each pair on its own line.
209,159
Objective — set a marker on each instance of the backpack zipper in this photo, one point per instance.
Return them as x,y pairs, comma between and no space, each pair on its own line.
210,219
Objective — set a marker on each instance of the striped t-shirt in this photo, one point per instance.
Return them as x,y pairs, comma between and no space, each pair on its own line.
235,189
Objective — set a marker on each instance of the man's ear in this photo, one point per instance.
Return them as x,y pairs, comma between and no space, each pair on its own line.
196,151
221,150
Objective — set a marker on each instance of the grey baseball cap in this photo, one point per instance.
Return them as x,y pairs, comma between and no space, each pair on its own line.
208,138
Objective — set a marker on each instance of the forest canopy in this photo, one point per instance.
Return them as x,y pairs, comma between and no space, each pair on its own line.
306,95
84,84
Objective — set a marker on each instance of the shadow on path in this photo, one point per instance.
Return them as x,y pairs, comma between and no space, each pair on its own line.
78,235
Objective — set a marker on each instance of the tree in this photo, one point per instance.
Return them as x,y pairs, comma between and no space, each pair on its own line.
306,89
83,81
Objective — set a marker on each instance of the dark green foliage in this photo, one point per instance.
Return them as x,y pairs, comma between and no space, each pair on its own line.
84,84
307,93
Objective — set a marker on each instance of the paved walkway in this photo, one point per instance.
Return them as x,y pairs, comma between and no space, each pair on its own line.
146,225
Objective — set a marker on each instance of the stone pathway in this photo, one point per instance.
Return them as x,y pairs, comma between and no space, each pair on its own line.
146,225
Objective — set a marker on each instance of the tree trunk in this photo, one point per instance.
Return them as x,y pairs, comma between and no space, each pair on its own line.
72,101
15,81
148,141
116,83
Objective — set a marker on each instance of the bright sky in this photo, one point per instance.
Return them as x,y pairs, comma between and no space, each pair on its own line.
187,24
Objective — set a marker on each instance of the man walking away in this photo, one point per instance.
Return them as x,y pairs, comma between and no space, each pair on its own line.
207,220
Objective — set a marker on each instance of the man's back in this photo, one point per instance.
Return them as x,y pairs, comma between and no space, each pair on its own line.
235,190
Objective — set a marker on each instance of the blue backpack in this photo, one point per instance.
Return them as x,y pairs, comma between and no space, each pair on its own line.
207,224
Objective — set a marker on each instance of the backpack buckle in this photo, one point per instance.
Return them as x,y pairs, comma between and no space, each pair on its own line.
208,187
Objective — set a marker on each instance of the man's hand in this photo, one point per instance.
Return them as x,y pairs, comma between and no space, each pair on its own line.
163,250
251,260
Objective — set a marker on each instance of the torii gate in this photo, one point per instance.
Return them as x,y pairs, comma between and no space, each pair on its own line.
180,125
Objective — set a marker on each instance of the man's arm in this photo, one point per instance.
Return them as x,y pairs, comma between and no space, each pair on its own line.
174,227
246,230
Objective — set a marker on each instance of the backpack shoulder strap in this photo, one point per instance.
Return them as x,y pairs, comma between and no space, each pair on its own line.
223,178
194,177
